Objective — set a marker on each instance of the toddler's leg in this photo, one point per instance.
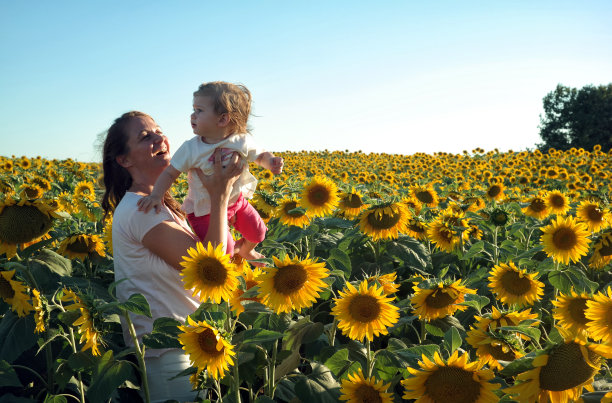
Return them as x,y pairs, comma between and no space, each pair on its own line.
253,230
200,227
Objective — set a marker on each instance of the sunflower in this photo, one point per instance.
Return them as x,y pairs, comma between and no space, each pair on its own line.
320,196
250,280
84,190
473,203
384,221
473,231
413,203
209,272
425,194
39,311
80,246
557,201
358,389
537,207
565,239
456,380
602,251
207,348
443,235
351,203
439,301
387,281
593,215
569,311
599,314
515,286
289,213
30,191
364,312
561,372
14,293
23,221
264,202
89,335
491,348
499,217
495,191
108,234
497,318
292,284
416,228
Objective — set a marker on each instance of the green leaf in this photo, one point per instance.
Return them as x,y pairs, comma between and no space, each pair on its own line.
164,334
54,262
264,399
425,349
137,303
11,398
320,386
256,336
560,280
528,331
434,330
474,250
452,340
340,365
339,259
8,376
17,335
55,399
517,366
108,376
81,360
476,301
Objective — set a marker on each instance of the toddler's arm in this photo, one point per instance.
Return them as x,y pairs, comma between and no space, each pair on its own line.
162,184
268,161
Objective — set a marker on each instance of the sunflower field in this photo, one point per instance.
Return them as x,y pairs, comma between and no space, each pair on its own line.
472,277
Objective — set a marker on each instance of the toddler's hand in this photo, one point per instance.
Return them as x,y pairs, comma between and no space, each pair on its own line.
276,165
148,202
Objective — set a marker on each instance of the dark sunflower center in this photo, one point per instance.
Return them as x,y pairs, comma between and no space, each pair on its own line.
212,271
292,206
576,308
424,197
498,353
383,220
565,238
445,234
20,224
290,279
439,299
452,384
352,201
208,343
606,250
594,214
318,195
499,218
78,246
557,201
364,308
566,368
6,291
416,226
367,394
514,284
494,191
32,192
537,205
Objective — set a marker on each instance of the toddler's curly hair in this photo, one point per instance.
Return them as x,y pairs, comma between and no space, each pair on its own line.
233,99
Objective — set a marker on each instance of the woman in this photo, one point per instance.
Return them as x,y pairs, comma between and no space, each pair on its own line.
148,247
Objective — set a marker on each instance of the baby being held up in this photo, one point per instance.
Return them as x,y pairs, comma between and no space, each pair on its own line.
219,120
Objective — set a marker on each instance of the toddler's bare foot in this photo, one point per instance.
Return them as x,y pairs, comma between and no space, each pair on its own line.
251,255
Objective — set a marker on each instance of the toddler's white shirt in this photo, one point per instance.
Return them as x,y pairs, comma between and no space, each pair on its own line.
195,153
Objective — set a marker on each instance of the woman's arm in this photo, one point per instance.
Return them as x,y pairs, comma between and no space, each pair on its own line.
170,241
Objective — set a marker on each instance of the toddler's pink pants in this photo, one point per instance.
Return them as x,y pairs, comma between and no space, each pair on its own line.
247,222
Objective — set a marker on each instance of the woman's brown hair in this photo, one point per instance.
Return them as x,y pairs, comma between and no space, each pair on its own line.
117,179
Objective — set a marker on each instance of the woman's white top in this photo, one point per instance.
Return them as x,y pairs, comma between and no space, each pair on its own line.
145,272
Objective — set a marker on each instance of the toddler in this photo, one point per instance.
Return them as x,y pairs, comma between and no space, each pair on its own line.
219,120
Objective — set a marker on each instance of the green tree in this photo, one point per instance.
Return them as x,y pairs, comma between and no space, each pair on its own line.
577,118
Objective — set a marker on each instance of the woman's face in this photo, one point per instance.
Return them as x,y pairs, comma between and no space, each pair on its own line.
148,147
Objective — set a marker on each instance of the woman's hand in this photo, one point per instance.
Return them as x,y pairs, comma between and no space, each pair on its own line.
223,176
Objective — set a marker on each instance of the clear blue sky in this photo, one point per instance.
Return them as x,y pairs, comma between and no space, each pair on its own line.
385,76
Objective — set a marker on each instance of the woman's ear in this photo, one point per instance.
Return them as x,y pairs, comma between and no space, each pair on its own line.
123,160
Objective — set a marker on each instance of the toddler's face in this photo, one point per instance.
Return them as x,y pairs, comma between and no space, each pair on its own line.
205,122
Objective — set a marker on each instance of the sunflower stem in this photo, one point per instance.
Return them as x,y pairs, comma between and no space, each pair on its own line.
74,350
139,356
496,254
236,382
423,332
369,361
331,336
272,369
